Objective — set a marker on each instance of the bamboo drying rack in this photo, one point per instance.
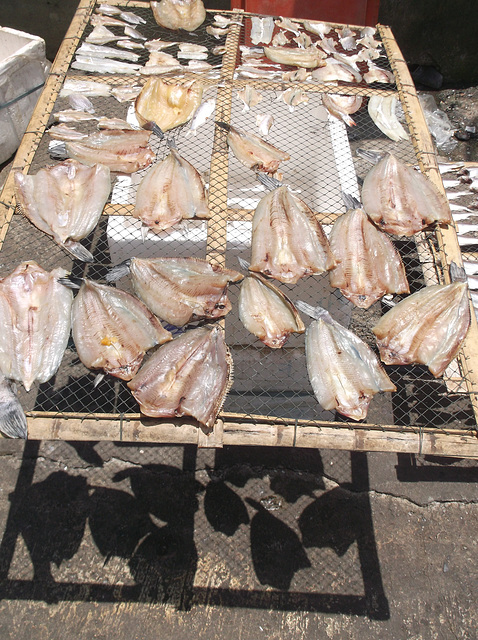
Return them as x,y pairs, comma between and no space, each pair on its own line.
236,428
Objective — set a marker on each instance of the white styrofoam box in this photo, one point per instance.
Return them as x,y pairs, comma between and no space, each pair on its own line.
23,70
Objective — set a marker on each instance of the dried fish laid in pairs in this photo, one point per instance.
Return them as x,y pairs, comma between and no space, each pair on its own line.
168,104
179,14
400,200
13,421
262,29
171,191
267,313
179,290
253,151
368,265
205,111
287,241
112,329
382,110
341,106
189,376
249,96
344,372
427,327
309,58
35,314
65,201
122,151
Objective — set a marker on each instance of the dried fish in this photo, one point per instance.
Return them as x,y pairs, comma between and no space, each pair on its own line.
333,71
344,372
179,14
85,87
299,75
161,58
287,241
122,151
129,44
253,51
288,25
105,20
223,21
80,102
376,74
350,61
427,327
303,41
132,18
104,65
131,32
262,29
13,422
114,123
368,265
189,376
267,313
171,191
328,45
65,201
198,66
180,290
125,93
112,329
108,10
205,110
308,58
341,106
35,313
217,32
252,151
158,45
293,97
280,39
249,96
62,132
348,43
101,51
101,35
370,42
400,200
73,115
253,72
190,47
218,51
382,111
168,104
319,28
264,123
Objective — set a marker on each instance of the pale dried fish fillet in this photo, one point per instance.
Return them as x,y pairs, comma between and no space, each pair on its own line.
129,44
101,35
132,18
73,115
205,110
341,106
105,20
253,151
102,51
293,97
217,32
249,96
189,376
319,28
179,14
168,104
262,29
104,65
158,45
86,87
376,74
382,111
288,25
264,123
427,327
333,70
80,102
280,39
62,132
125,93
308,58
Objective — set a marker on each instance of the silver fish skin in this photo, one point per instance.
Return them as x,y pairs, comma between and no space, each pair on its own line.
400,200
13,421
189,376
65,201
427,327
112,329
267,313
35,315
287,241
344,372
368,265
171,191
179,290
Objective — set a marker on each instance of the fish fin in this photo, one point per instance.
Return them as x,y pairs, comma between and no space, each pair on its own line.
98,379
224,125
119,271
78,251
71,282
171,143
13,421
268,181
313,312
144,232
457,274
350,201
244,264
152,126
57,150
368,154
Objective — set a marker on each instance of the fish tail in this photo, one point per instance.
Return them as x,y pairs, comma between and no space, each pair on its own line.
119,271
350,201
224,125
13,422
71,282
78,251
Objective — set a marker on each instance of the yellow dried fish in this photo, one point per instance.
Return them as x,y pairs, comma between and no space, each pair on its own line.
168,104
179,14
309,58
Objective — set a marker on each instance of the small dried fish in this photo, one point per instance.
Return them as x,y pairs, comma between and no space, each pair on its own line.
190,47
89,88
182,14
125,93
158,45
348,43
288,25
328,45
303,41
249,96
217,32
223,21
370,42
101,35
333,71
299,75
253,151
129,44
205,110
132,18
79,102
73,115
168,104
280,39
104,20
104,65
198,66
62,132
376,74
131,32
319,28
341,106
159,58
108,10
262,29
114,123
293,97
101,51
308,58
264,123
219,51
382,111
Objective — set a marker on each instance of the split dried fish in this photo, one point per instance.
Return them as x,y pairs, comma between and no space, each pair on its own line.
341,106
35,314
114,123
328,45
267,313
249,96
368,265
198,66
264,123
189,376
65,201
179,14
104,65
112,329
205,111
85,87
262,29
158,45
131,32
299,75
427,327
303,41
126,93
122,151
171,191
319,28
308,58
400,200
344,372
287,241
108,9
102,51
168,104
105,20
223,21
129,44
179,290
253,151
333,71
293,97
382,111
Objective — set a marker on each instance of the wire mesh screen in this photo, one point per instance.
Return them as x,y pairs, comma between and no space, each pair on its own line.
323,165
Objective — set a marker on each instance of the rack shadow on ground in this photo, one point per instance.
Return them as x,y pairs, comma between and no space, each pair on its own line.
153,529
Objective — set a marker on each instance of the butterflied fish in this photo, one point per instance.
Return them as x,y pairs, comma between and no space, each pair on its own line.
262,29
427,327
308,58
341,106
249,96
179,290
35,313
13,422
267,313
112,329
189,376
368,265
344,372
168,104
253,151
179,14
171,191
122,151
400,200
65,201
382,111
287,241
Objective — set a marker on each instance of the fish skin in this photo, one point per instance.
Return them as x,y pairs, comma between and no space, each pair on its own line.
13,421
189,376
267,312
428,327
168,104
344,372
171,191
287,241
368,265
64,201
35,314
253,151
112,329
400,200
179,290
179,14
